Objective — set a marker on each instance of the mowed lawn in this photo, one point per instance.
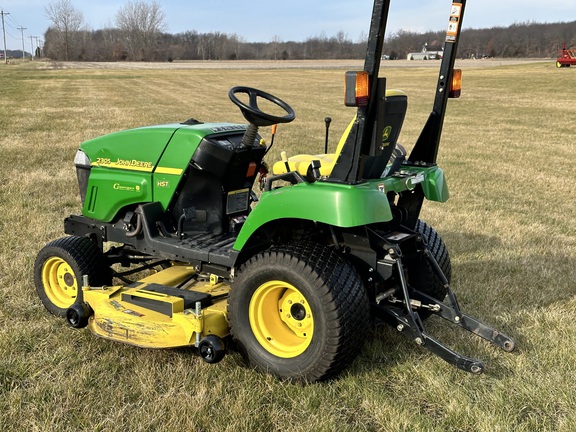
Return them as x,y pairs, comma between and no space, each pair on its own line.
509,152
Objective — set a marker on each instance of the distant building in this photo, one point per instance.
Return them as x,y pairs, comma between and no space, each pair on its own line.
425,54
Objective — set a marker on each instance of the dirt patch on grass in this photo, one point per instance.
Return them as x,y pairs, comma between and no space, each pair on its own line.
282,64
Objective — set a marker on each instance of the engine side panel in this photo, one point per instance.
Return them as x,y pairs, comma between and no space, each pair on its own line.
141,165
121,169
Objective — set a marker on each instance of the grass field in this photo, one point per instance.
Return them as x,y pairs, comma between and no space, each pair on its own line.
509,152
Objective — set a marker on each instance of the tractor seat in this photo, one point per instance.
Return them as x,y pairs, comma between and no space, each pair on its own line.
301,162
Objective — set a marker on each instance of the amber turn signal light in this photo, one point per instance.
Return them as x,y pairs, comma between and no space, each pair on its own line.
357,89
456,84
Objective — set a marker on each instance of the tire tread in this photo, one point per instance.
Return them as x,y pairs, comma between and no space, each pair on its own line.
85,258
341,291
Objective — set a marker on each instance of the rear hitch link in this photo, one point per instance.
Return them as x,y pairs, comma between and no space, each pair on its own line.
407,321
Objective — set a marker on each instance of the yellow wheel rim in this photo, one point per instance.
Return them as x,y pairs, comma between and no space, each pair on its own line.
59,281
281,319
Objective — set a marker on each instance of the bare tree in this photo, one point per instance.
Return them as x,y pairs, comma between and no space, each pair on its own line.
142,22
66,21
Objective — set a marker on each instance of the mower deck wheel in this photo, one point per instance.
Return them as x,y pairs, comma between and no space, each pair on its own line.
78,314
212,349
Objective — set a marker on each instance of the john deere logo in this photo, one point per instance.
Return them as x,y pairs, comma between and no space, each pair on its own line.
386,133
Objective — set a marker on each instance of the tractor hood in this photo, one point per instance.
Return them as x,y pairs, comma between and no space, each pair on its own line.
139,165
140,149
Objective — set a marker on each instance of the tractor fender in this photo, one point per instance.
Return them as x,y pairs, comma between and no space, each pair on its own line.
431,179
434,186
333,204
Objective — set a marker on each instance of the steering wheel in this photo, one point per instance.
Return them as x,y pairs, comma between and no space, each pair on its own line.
255,115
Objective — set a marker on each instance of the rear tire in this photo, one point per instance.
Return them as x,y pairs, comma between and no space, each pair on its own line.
421,275
299,312
59,268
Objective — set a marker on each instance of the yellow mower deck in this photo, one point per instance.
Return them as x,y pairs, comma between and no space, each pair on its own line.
153,313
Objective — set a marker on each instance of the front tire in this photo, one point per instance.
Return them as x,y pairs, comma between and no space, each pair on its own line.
299,312
59,268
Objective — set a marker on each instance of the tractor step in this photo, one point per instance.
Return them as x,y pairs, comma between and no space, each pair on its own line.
209,247
152,239
204,247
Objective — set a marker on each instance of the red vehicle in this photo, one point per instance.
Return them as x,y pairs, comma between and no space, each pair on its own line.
566,57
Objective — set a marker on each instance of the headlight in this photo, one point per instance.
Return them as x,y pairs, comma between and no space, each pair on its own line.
82,160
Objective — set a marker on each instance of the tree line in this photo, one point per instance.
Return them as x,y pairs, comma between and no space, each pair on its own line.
520,40
138,35
114,45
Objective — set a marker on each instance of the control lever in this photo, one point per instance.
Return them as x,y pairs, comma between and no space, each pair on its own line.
274,127
284,158
327,120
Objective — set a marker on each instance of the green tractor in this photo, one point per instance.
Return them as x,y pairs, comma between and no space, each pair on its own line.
291,279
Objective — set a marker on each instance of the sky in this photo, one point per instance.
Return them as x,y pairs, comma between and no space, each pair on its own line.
294,20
